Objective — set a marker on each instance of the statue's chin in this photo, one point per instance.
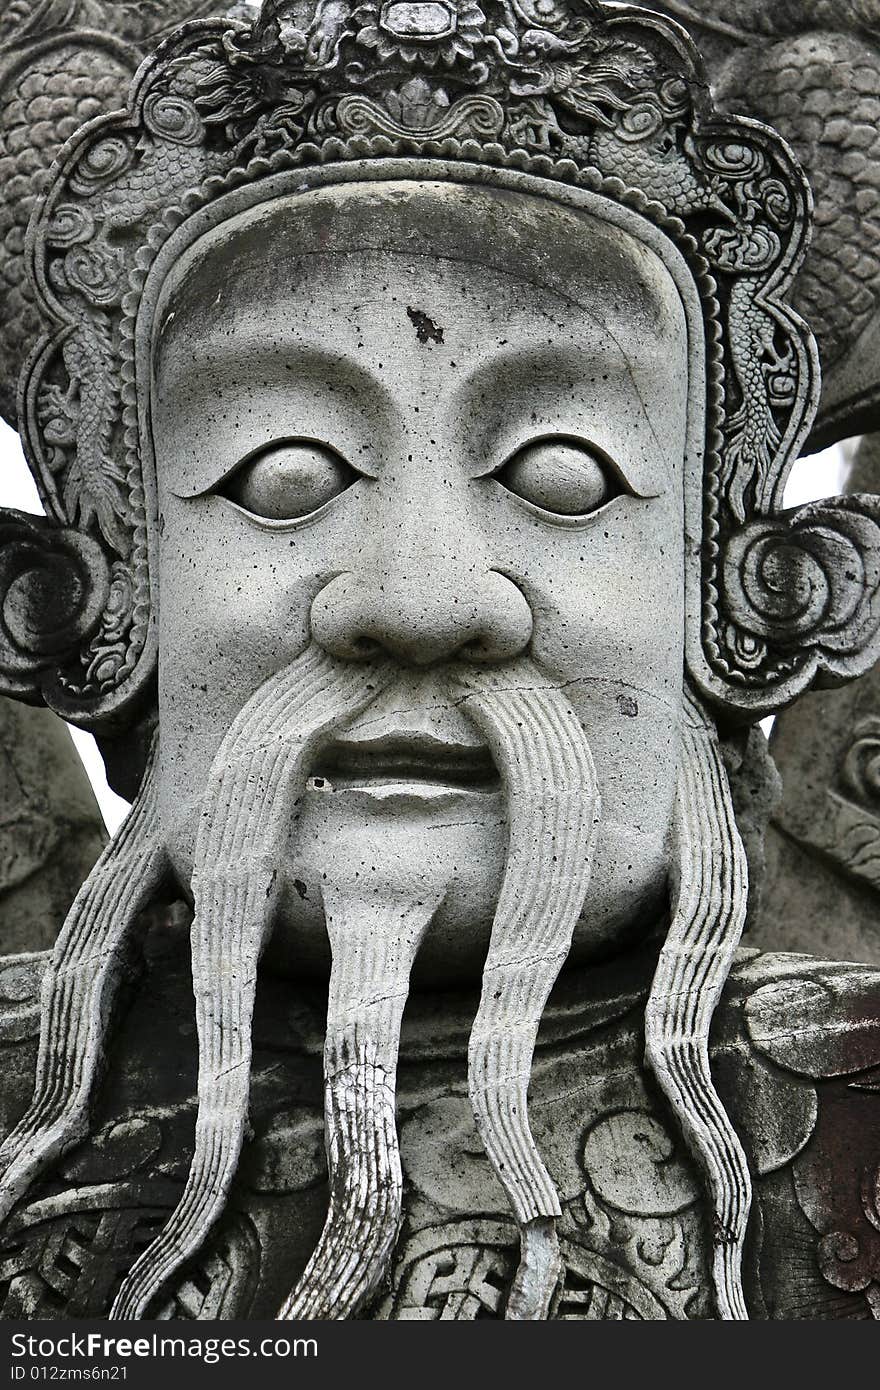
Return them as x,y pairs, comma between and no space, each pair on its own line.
392,844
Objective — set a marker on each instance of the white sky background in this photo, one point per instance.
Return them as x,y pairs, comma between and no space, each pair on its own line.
820,475
17,490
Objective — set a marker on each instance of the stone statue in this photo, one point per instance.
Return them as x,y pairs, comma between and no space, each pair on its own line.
415,392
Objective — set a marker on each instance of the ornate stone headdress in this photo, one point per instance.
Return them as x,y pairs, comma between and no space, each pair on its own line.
604,97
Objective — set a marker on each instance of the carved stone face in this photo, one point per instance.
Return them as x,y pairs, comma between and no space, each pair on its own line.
442,423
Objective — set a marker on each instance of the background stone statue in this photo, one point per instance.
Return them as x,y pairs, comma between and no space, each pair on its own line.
413,399
51,830
824,840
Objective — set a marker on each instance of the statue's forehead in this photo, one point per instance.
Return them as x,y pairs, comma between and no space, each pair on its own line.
286,243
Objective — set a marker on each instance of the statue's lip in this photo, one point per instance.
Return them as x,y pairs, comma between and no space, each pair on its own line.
405,756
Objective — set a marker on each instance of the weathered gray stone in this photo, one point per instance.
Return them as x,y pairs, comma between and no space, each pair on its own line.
632,1234
60,65
812,70
823,887
414,405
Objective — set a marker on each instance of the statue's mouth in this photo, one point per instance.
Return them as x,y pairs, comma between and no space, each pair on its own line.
405,758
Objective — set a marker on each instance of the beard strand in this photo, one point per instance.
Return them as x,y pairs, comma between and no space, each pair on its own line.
251,797
79,991
553,815
374,945
710,894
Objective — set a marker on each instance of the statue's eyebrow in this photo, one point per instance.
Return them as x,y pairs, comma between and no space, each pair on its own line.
271,390
556,361
239,356
605,356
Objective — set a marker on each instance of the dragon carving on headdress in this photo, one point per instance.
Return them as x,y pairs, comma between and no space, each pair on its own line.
61,63
811,69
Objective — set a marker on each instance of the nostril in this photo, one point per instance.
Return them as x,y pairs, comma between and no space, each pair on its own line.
419,625
365,646
478,649
503,645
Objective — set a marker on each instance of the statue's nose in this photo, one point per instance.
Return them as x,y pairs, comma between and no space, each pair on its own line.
423,620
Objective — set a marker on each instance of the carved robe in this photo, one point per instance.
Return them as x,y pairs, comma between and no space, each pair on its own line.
796,1057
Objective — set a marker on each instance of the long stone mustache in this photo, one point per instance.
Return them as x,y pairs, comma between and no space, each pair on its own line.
374,943
247,812
553,807
710,891
79,991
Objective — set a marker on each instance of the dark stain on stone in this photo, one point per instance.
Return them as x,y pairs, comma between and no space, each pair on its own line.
300,888
628,706
427,331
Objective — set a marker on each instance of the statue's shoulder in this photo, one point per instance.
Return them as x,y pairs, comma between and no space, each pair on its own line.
813,1018
796,1058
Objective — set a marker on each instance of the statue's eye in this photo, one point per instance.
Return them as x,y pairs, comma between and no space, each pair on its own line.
560,476
289,480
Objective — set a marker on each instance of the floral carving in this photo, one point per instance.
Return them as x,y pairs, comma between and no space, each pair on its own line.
53,588
810,580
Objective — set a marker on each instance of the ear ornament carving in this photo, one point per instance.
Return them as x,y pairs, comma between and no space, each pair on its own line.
54,587
802,593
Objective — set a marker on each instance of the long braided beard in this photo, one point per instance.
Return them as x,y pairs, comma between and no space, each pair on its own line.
552,805
710,895
246,828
